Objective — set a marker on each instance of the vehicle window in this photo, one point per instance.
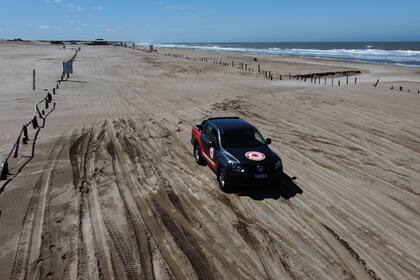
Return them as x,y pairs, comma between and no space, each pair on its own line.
259,137
203,125
213,135
242,138
207,130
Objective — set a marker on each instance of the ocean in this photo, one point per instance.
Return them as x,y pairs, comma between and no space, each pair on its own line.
394,53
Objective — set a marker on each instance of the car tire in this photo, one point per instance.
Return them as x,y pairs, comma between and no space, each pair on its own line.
198,156
224,183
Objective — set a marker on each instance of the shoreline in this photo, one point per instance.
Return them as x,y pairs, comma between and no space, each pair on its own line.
259,52
365,67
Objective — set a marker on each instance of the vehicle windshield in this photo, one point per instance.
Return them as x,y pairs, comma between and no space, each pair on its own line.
242,138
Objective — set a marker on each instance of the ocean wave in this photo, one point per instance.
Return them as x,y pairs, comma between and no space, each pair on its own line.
396,57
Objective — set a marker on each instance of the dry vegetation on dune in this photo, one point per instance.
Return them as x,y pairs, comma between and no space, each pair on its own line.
114,193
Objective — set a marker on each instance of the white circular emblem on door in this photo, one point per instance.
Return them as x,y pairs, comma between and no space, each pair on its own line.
211,152
255,156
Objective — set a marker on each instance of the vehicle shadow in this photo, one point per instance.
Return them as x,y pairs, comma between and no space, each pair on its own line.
286,188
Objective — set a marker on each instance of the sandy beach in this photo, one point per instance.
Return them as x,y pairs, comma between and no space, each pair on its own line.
113,191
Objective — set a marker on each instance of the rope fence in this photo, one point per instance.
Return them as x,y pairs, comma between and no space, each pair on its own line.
42,109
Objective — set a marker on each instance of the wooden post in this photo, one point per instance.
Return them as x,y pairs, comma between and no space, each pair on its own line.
259,69
4,170
46,104
325,82
35,123
25,135
377,82
339,83
401,88
33,80
53,90
332,82
290,76
355,80
17,147
347,81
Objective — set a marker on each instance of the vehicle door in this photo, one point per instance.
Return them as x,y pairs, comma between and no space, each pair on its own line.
210,144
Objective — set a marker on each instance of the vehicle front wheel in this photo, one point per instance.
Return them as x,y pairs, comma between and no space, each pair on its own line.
198,156
223,180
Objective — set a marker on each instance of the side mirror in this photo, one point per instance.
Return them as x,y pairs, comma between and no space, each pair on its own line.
268,141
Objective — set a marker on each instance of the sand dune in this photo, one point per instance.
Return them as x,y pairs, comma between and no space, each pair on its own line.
113,191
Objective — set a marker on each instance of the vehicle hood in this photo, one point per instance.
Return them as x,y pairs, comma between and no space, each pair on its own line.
238,154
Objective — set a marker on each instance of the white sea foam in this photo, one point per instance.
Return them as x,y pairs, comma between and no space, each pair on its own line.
397,57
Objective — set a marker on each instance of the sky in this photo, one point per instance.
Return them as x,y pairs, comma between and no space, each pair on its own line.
211,20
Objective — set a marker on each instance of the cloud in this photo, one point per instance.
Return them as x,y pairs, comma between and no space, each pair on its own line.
53,1
111,30
74,8
97,8
48,27
167,6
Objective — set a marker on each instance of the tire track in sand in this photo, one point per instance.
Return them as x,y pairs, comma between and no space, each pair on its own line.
87,264
185,242
353,253
28,245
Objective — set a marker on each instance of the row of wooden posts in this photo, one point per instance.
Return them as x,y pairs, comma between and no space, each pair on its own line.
318,80
314,78
400,88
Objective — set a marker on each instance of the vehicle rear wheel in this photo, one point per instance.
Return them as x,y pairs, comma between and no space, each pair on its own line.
223,180
198,156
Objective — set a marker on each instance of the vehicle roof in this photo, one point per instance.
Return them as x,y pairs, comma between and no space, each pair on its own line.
227,124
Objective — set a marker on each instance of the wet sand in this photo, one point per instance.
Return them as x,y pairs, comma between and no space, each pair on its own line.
113,191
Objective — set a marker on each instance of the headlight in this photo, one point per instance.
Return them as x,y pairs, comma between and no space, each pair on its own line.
278,165
237,168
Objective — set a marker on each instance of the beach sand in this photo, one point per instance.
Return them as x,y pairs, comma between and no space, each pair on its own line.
113,191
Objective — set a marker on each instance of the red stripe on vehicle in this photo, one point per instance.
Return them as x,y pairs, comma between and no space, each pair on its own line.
200,143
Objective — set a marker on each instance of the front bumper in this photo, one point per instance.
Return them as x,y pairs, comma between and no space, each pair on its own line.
250,178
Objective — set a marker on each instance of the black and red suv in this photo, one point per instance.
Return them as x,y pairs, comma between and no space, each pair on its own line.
236,151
